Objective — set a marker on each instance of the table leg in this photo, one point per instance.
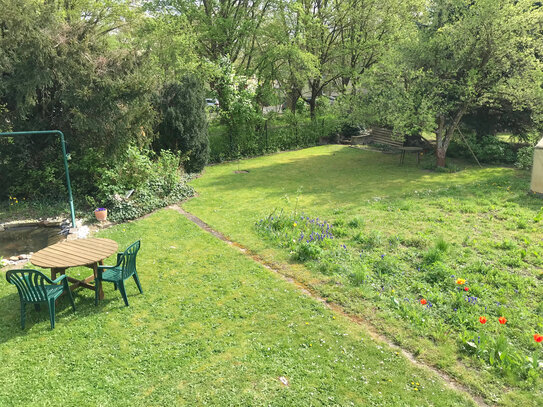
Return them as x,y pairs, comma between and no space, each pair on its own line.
55,271
95,271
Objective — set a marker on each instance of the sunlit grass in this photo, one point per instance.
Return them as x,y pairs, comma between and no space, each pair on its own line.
483,217
212,328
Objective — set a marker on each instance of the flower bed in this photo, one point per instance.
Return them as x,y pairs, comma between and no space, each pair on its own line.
489,313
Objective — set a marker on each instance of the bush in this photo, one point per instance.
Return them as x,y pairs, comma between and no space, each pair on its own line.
141,183
525,158
183,123
307,251
277,133
488,149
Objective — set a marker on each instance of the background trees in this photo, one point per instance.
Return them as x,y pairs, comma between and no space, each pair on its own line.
462,56
112,74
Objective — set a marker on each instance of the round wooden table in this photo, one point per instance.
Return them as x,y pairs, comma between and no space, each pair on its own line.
74,253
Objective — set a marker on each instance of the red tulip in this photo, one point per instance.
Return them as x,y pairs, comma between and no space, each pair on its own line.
423,301
466,288
482,320
502,320
538,338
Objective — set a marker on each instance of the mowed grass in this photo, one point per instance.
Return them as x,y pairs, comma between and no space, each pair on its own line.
488,223
212,328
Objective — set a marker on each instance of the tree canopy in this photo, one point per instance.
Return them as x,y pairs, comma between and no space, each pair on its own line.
96,68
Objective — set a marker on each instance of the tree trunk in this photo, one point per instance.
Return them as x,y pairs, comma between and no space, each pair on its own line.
292,98
312,106
441,154
444,135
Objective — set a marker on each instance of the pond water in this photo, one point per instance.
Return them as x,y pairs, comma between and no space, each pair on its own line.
26,239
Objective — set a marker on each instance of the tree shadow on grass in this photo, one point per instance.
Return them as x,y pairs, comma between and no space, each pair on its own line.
350,176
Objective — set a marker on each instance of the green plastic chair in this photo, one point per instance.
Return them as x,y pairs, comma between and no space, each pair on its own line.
33,289
119,273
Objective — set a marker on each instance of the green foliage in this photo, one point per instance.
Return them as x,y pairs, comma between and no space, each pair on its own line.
525,158
254,137
183,122
139,184
60,71
357,222
456,57
307,251
487,149
369,241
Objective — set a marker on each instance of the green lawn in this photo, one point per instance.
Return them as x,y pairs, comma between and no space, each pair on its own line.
409,234
212,328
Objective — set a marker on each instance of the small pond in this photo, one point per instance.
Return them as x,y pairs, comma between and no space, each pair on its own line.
26,239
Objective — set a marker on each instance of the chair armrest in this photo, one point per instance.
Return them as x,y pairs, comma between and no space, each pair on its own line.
119,260
58,280
106,267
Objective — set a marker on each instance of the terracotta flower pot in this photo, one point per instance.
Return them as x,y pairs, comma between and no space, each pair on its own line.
101,215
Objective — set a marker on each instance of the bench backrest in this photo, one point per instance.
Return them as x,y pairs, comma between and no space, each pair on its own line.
385,136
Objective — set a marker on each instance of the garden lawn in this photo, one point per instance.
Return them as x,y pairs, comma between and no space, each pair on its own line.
402,234
212,328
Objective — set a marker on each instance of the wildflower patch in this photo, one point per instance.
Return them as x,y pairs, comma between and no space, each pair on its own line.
480,310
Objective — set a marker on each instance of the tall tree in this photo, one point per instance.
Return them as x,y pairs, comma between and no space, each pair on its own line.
71,65
311,44
223,28
183,123
462,55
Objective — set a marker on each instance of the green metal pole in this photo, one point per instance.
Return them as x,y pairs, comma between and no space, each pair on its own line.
64,157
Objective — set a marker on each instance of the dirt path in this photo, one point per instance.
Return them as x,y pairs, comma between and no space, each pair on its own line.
449,381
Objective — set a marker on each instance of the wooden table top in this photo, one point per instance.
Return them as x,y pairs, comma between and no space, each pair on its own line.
74,253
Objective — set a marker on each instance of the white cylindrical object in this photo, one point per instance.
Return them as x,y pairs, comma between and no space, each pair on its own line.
537,169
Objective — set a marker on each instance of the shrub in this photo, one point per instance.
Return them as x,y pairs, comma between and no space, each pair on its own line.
487,149
307,251
154,182
525,158
254,136
183,123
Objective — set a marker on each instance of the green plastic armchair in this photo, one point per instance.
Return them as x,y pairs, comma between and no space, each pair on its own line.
119,273
33,289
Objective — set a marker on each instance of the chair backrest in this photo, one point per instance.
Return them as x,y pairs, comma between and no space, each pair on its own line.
29,283
128,259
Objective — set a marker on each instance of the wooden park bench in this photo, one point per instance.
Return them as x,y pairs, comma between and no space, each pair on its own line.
386,137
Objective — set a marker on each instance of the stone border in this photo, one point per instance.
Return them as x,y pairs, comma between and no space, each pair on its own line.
63,224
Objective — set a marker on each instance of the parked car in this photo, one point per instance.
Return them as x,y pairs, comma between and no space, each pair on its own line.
212,103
